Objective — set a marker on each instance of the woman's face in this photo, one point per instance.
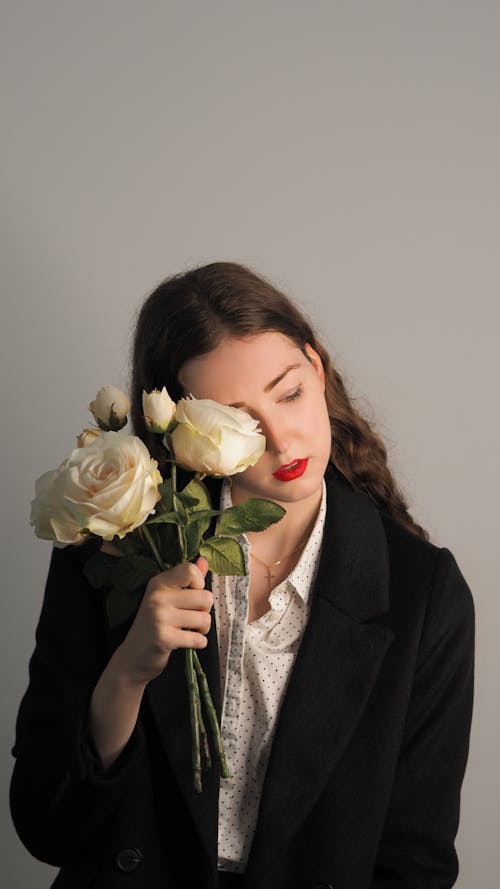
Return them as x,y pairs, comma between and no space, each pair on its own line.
268,376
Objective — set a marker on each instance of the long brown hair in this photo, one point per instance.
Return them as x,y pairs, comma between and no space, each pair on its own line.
189,313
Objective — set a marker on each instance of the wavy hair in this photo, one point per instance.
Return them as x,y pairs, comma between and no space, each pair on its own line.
189,314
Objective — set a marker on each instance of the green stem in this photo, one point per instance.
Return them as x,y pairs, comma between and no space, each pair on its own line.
212,716
154,549
195,725
180,530
206,760
173,476
200,751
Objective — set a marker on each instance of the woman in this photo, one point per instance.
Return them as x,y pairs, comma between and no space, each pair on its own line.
341,664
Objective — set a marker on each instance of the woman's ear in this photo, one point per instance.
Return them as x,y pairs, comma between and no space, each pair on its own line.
316,362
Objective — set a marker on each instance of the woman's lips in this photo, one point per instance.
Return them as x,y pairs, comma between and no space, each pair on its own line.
291,470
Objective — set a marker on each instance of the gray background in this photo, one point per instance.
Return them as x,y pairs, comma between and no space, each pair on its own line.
348,150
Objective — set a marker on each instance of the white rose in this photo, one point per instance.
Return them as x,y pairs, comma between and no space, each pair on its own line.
214,438
158,409
86,437
110,408
108,487
49,513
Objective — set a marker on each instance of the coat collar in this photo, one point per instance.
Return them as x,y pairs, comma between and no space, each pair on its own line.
354,569
334,672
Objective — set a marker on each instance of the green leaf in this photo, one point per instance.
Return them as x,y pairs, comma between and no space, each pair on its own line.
196,527
254,514
181,511
121,606
201,516
169,518
168,543
198,491
165,490
193,535
224,555
124,573
186,499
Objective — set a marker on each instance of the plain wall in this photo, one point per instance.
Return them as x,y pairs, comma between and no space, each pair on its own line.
347,150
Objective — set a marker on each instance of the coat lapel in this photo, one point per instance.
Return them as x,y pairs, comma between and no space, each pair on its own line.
336,667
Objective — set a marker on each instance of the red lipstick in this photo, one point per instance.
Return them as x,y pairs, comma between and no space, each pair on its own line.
291,470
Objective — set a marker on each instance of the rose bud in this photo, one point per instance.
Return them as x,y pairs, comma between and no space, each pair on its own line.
110,408
158,409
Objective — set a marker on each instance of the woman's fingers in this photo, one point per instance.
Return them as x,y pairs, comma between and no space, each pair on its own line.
184,638
186,575
174,613
202,564
163,598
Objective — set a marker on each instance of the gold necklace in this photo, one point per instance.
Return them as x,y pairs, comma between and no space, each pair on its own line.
275,564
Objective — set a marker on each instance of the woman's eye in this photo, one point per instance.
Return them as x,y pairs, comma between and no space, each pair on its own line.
293,395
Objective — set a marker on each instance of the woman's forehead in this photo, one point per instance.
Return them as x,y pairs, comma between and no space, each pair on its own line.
239,365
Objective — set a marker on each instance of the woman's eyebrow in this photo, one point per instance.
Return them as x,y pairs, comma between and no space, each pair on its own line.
271,385
278,379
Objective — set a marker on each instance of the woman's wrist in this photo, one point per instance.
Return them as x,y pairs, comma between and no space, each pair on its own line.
122,676
114,708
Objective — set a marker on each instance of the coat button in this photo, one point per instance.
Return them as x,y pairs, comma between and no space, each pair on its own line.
128,860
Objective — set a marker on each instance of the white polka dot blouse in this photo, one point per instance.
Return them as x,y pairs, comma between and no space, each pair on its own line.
256,661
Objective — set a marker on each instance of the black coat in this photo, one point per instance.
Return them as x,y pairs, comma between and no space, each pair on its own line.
363,783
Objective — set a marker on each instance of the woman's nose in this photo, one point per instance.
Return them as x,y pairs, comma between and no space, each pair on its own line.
277,438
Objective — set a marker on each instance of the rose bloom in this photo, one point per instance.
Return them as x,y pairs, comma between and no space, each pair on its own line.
108,487
110,408
158,409
49,513
214,438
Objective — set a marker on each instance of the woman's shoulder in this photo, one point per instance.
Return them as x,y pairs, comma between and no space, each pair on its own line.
428,571
410,548
402,539
419,569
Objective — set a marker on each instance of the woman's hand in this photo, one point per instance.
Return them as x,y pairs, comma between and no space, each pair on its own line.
174,613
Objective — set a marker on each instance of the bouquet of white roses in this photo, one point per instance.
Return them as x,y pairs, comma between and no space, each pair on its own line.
110,488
